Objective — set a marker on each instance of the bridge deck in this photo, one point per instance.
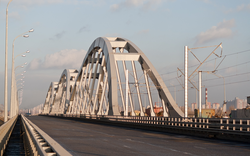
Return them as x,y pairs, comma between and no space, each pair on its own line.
81,138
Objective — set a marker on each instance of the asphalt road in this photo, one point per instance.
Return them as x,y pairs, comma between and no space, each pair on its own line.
82,138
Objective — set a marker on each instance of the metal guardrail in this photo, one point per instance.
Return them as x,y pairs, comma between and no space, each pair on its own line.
231,129
5,132
39,143
202,123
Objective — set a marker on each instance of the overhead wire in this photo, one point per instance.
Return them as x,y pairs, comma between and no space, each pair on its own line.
240,52
248,50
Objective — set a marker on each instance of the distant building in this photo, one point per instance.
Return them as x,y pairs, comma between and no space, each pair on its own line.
157,110
203,106
194,106
216,106
208,105
237,103
1,110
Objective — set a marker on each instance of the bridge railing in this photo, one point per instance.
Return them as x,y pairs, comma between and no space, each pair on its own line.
39,142
225,124
5,132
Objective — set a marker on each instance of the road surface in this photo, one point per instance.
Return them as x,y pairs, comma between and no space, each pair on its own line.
82,138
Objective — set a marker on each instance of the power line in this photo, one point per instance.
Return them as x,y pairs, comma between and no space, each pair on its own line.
221,68
229,83
234,65
240,52
227,76
216,85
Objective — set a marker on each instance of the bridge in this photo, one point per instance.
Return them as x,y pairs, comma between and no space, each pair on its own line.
106,108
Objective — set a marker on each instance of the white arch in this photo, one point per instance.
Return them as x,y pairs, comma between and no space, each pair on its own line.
50,97
62,95
91,96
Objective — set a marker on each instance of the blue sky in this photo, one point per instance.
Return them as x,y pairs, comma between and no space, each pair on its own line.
64,30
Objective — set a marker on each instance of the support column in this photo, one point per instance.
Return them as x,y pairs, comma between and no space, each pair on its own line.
186,82
149,94
127,92
199,93
137,88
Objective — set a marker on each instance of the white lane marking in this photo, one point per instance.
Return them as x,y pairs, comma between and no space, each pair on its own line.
126,146
174,150
199,147
136,141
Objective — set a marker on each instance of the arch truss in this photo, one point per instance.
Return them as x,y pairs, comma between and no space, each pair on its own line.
115,77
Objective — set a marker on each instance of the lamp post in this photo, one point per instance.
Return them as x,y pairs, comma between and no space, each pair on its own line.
20,94
12,71
6,69
13,90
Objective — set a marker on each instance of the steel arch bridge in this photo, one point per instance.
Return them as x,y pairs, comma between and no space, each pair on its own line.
99,87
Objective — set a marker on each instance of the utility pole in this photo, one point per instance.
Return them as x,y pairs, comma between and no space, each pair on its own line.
185,81
126,110
200,93
188,77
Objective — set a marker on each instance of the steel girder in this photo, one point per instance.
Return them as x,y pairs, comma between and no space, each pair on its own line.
99,87
62,94
50,97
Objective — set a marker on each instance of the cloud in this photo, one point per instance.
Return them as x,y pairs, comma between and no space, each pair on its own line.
206,1
239,8
25,3
35,2
143,32
68,58
231,70
222,30
144,4
59,35
82,29
14,15
112,35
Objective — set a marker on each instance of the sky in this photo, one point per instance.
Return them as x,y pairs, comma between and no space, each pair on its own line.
65,29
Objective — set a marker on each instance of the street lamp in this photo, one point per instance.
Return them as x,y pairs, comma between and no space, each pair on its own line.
13,62
12,71
13,90
22,54
22,73
6,68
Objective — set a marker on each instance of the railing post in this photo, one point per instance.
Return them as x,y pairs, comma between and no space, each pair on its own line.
233,124
195,121
207,123
227,124
248,125
221,122
240,125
